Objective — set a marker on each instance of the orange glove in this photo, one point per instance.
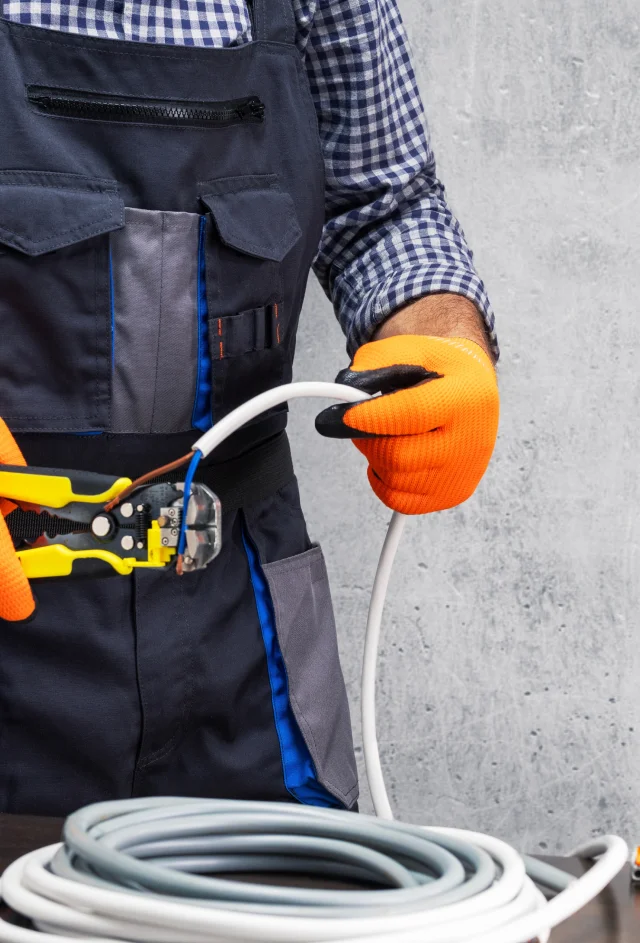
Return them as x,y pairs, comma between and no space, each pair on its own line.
429,436
16,600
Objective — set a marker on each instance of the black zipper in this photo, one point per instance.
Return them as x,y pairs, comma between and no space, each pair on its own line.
68,103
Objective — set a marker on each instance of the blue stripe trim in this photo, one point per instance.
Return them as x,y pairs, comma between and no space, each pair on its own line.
299,773
202,418
113,313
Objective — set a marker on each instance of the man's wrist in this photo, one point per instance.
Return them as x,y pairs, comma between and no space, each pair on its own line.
438,315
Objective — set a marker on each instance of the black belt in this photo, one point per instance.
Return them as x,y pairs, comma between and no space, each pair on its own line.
250,477
134,455
239,482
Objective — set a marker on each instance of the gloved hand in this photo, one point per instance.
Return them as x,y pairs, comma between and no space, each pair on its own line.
429,436
16,599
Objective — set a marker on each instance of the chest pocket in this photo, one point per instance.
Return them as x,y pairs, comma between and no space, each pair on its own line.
252,259
55,307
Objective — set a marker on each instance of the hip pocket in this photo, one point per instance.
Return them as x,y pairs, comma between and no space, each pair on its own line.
55,310
305,638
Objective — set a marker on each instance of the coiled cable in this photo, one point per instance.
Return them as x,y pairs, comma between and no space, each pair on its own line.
146,869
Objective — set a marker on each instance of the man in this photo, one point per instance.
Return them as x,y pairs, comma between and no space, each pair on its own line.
168,175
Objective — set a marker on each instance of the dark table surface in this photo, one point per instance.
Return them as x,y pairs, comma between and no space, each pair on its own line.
614,917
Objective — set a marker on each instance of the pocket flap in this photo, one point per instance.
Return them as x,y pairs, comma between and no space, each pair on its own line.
41,212
253,215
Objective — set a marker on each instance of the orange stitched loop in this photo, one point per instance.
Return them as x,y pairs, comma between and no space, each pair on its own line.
436,438
220,336
16,600
275,307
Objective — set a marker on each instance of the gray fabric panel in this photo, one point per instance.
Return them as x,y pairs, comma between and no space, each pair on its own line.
155,284
307,636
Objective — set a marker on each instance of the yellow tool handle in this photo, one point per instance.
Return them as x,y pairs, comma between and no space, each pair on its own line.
45,488
58,560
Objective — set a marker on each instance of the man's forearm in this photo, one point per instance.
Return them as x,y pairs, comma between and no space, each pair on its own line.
438,315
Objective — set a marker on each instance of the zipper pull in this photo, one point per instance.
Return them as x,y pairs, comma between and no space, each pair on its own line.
251,108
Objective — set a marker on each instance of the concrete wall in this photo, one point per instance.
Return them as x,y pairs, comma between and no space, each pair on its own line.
509,687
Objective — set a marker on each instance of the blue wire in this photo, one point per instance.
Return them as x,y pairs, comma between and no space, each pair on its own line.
188,480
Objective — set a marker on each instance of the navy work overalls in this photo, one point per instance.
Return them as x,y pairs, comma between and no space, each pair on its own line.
160,207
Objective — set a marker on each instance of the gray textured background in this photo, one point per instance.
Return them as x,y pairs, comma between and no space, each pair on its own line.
509,693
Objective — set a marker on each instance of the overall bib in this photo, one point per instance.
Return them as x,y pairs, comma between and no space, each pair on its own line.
160,207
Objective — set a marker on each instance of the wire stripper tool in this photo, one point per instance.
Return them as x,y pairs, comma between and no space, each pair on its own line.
76,525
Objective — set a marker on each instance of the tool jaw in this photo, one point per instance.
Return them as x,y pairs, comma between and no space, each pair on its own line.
203,528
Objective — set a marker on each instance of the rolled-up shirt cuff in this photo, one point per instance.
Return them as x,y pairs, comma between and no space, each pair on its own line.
411,283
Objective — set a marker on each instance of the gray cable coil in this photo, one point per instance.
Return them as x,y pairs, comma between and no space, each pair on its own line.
159,845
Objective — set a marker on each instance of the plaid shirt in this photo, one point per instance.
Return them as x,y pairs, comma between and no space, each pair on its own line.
389,236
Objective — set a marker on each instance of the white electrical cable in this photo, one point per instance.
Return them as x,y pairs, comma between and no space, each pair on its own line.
130,870
264,401
373,767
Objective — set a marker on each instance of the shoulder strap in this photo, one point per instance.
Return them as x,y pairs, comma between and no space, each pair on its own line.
273,21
